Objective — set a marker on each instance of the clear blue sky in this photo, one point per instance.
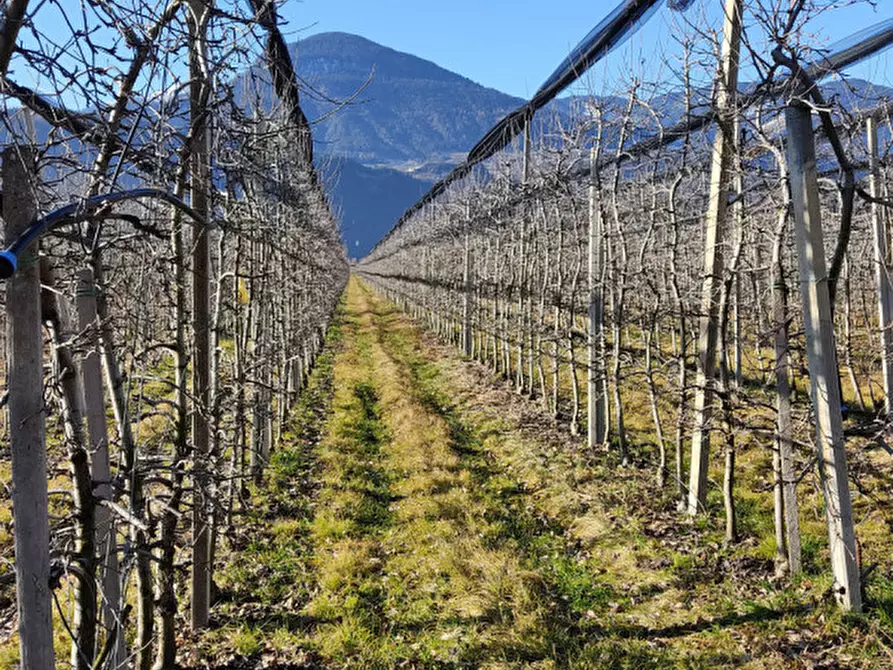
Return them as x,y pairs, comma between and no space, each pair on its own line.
513,46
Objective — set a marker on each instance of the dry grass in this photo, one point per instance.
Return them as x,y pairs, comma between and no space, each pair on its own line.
675,584
457,526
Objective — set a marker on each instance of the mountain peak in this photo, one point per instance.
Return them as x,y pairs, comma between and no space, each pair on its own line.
411,117
411,111
354,54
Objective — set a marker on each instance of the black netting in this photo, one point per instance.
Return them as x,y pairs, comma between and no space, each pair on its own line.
609,34
854,48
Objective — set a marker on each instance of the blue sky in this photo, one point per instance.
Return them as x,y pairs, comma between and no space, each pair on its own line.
513,46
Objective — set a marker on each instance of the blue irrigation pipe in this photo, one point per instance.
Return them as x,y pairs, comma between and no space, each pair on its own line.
77,212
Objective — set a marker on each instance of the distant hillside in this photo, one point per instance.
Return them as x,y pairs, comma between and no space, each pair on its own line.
370,200
408,127
411,111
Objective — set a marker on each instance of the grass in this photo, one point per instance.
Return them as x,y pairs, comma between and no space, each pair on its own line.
414,549
266,574
477,578
416,514
708,598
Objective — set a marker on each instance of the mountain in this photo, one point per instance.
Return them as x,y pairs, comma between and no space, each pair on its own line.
411,112
405,124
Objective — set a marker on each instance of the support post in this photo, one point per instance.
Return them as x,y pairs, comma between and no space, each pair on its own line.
523,253
468,297
714,239
883,267
26,421
201,365
595,397
818,322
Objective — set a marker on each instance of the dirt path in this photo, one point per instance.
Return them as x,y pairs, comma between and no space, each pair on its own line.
427,517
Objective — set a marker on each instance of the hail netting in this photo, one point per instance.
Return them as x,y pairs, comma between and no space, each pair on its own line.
610,33
573,289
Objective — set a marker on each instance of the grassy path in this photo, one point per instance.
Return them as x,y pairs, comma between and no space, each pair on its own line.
422,517
419,559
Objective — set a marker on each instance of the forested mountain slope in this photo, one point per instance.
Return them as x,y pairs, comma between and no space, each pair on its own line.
412,111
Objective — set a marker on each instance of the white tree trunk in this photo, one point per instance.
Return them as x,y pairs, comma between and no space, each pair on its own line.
724,145
468,292
595,398
97,430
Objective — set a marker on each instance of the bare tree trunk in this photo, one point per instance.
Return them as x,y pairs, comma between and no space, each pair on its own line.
729,286
533,265
97,429
572,324
648,342
252,349
541,314
167,598
216,434
724,144
848,335
494,325
755,286
726,403
67,378
467,291
787,518
83,647
556,316
683,347
619,426
596,401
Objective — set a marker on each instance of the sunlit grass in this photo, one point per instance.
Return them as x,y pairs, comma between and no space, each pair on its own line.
678,577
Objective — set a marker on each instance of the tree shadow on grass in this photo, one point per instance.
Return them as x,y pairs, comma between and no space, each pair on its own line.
758,615
256,662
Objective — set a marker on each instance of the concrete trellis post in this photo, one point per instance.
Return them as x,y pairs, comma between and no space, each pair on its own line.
468,290
523,257
595,397
714,238
823,373
26,421
883,267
